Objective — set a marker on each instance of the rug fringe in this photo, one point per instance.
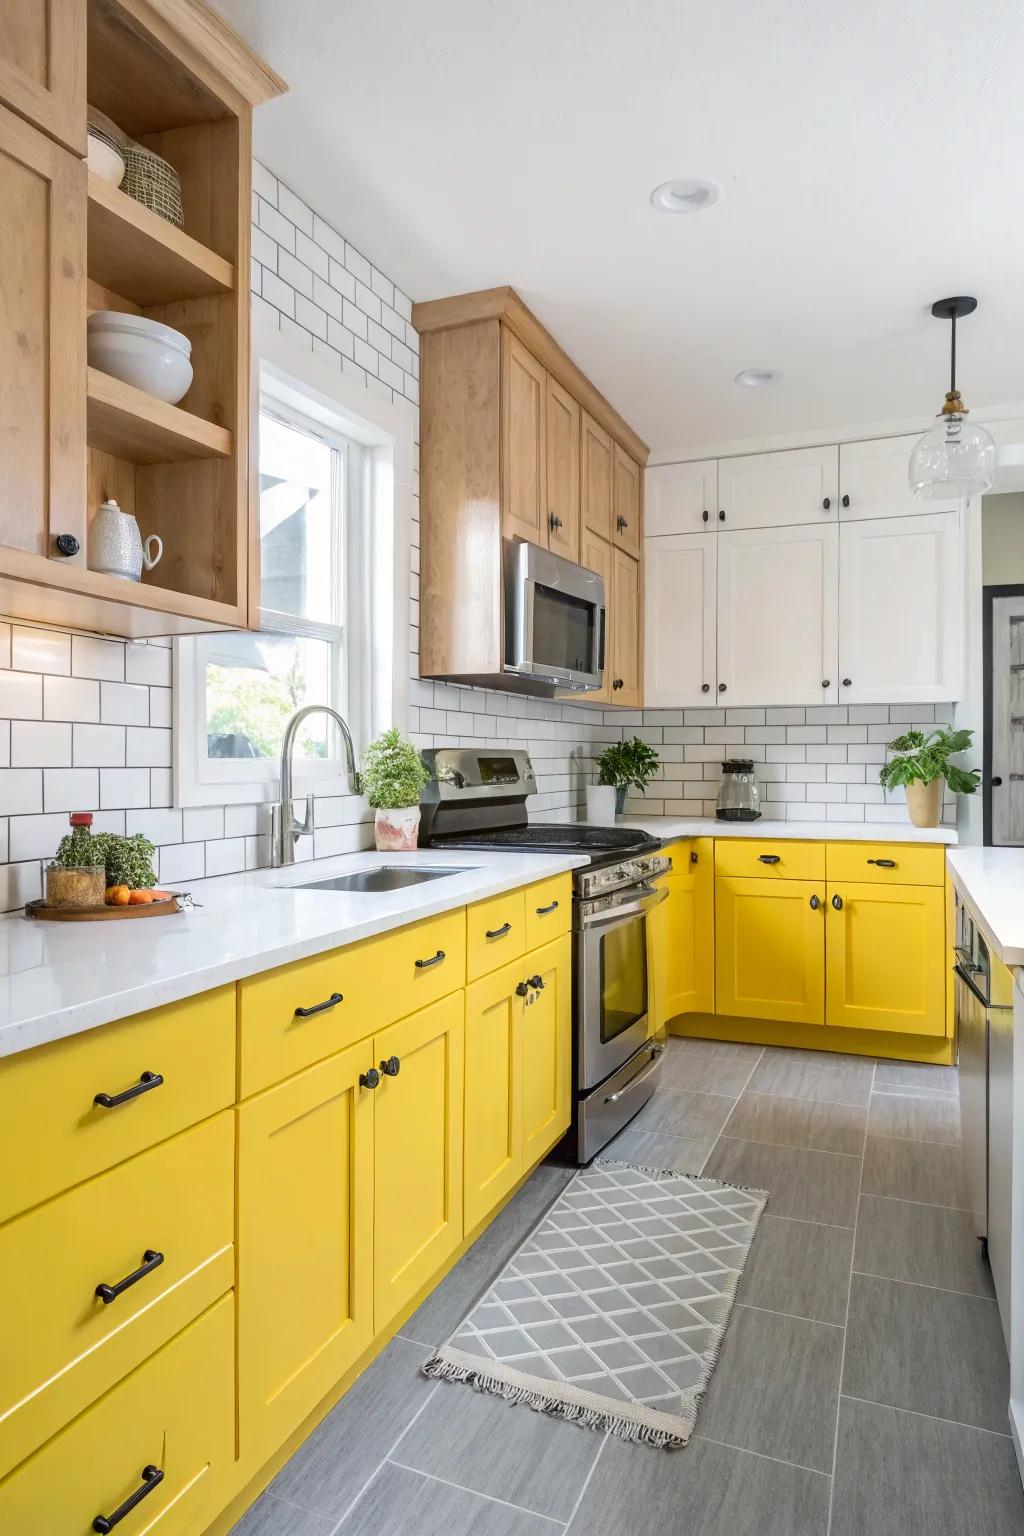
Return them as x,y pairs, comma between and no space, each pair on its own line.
440,1369
674,1173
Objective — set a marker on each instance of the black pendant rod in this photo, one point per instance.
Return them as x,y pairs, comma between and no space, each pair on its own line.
952,310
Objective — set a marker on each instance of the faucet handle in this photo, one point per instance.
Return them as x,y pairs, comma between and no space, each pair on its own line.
305,826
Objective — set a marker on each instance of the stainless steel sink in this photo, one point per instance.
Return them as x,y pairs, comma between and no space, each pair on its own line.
383,877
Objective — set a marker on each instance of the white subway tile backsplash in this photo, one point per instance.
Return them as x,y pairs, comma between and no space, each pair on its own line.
21,791
357,264
71,789
35,837
40,744
21,696
226,856
71,698
159,826
124,703
148,747
92,657
98,746
182,861
40,650
204,825
124,787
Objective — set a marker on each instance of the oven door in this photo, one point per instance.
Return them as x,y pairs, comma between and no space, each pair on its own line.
554,616
612,984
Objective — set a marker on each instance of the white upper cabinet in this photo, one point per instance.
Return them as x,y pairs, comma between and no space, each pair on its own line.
901,610
681,498
775,490
873,481
680,620
777,616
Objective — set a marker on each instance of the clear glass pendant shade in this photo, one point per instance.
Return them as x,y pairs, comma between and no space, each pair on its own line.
954,458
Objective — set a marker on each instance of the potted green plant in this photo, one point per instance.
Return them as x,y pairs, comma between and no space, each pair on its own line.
922,765
392,777
624,766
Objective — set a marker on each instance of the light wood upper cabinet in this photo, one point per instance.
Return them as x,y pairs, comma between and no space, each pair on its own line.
42,66
873,481
523,455
626,630
597,556
773,490
596,474
563,471
42,346
681,498
680,612
626,498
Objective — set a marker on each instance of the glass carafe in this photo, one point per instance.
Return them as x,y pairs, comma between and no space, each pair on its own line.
738,797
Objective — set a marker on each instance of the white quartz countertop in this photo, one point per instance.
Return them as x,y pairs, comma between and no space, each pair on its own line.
57,979
669,827
991,883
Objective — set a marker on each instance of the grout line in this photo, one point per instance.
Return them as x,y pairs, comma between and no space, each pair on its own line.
935,1417
490,1497
914,1141
387,1454
930,1205
926,1095
806,1221
795,1317
754,1066
761,1455
846,1320
789,1147
586,1481
922,1285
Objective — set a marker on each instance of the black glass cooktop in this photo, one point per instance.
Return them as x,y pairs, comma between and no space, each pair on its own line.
559,837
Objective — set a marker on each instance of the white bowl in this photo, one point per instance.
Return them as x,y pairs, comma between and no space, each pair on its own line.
105,161
151,356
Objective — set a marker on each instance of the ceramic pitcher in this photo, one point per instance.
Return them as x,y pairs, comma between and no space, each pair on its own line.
116,546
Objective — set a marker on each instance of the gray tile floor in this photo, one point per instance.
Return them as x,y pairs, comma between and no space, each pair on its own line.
861,1389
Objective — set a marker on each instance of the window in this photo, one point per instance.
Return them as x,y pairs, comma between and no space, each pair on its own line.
334,581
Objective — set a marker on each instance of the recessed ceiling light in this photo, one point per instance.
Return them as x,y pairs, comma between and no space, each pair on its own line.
757,378
685,194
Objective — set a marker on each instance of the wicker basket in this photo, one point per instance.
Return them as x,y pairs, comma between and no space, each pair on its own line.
103,127
153,183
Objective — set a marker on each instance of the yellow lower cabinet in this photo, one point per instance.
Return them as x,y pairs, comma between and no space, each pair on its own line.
91,1283
493,1151
886,958
417,1162
770,949
546,1027
681,936
164,1436
305,1244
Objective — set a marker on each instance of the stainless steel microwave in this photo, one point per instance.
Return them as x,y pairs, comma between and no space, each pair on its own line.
554,619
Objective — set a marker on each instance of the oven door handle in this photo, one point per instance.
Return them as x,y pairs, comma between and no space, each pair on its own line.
971,985
646,903
634,1082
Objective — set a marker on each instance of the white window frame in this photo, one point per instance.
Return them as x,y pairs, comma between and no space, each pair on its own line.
308,389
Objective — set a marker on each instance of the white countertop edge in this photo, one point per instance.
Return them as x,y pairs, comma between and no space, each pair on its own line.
672,828
74,961
991,883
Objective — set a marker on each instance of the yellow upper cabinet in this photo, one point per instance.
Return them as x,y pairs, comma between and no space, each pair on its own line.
681,935
887,958
524,414
305,1244
493,1158
546,1024
42,66
769,949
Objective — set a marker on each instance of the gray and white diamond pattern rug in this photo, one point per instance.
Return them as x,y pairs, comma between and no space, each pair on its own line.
612,1312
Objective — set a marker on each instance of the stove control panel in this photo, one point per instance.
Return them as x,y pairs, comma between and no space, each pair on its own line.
464,773
613,877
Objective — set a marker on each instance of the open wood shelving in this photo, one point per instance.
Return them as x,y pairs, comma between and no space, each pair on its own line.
135,253
134,426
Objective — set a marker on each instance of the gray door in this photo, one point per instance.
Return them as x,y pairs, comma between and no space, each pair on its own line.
1008,721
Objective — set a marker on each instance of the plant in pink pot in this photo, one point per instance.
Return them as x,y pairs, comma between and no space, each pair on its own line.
393,776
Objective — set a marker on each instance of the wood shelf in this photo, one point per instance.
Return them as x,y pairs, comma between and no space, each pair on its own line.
131,425
139,255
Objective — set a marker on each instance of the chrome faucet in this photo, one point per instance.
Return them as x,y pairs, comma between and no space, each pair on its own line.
284,829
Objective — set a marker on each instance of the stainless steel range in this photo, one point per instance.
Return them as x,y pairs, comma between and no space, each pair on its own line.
477,799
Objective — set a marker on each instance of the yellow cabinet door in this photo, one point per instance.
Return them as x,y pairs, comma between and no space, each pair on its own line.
770,949
523,450
417,1189
167,1431
681,936
493,1149
886,958
546,1031
305,1227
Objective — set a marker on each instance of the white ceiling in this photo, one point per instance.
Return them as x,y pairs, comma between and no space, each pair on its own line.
870,156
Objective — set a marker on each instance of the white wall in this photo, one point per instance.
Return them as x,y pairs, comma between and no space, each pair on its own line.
1002,539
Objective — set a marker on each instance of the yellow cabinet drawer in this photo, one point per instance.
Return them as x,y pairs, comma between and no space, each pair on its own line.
783,858
893,863
166,1215
55,1132
495,932
548,910
300,1013
169,1425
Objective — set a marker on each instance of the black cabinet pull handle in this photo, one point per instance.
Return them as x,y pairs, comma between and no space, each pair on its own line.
391,1067
147,1081
621,523
837,902
721,517
537,983
328,1002
543,911
846,501
618,683
151,1477
826,682
826,503
522,988
769,858
556,522
424,965
498,933
705,687
67,545
883,863
815,903
706,515
150,1260
721,687
369,1079
693,858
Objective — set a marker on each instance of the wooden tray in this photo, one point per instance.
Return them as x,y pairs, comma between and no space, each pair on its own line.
42,913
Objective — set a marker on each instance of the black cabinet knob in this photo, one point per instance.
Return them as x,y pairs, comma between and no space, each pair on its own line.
67,544
706,516
391,1067
369,1079
705,687
996,783
815,903
721,687
837,902
555,521
847,682
537,983
721,517
522,989
618,683
826,503
846,501
826,682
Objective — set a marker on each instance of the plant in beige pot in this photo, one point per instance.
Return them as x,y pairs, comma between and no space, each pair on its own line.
392,776
921,763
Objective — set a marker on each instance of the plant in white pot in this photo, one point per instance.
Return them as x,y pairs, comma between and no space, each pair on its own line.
392,776
621,767
922,765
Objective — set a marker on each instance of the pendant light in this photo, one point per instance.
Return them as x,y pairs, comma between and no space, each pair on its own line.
954,458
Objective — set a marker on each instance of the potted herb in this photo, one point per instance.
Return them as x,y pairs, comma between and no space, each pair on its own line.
87,865
626,765
922,765
392,777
